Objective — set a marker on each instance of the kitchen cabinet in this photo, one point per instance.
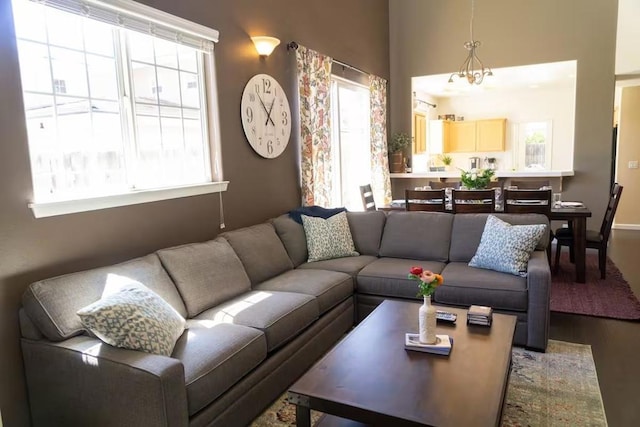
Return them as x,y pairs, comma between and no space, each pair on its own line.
419,133
476,135
490,134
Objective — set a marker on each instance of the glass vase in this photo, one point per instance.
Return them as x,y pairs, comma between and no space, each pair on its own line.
427,322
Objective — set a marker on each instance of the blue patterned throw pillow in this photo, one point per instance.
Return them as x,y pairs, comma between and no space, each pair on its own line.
505,247
136,318
328,238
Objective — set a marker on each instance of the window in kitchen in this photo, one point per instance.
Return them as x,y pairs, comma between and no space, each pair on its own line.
350,142
534,145
115,103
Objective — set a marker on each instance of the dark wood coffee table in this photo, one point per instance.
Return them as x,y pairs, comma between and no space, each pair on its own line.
370,378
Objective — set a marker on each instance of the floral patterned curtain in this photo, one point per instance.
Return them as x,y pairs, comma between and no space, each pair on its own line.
380,180
314,86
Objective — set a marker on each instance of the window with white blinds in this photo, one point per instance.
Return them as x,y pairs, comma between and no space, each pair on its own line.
119,98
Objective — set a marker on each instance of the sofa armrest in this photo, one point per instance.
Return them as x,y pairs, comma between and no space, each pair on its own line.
539,286
82,381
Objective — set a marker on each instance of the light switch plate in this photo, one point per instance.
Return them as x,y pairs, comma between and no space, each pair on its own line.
633,164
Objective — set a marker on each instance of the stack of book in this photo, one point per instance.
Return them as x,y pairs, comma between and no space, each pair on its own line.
479,315
442,345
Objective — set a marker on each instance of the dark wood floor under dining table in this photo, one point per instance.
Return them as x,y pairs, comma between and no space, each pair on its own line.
576,216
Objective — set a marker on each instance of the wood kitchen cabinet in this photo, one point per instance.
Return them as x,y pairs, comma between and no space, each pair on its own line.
476,135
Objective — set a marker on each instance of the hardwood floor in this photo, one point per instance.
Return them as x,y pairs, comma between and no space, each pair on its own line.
615,343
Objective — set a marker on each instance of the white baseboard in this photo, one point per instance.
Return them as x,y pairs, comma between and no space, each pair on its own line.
625,226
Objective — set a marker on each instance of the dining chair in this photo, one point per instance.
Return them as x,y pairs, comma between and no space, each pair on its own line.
595,239
473,201
438,185
424,200
367,198
530,201
529,185
527,201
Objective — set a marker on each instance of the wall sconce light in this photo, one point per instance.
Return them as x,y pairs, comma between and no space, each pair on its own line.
265,44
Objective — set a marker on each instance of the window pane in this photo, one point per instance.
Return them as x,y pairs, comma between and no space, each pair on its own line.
188,59
166,53
30,21
34,67
145,86
190,90
103,80
98,38
64,29
168,81
148,132
69,67
140,47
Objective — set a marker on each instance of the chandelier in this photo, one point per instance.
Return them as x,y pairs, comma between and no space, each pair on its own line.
468,68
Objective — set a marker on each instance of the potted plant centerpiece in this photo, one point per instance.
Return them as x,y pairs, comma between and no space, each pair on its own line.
476,179
446,160
396,147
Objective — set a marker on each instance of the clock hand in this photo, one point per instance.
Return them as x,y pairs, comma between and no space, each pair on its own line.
269,113
264,107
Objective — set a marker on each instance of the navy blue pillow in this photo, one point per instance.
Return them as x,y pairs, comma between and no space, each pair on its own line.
315,211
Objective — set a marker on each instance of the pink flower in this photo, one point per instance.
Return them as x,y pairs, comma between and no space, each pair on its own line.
427,276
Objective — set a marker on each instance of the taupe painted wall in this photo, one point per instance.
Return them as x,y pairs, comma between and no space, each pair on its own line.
427,36
629,149
354,31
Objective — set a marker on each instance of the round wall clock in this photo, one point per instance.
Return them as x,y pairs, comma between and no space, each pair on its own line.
266,117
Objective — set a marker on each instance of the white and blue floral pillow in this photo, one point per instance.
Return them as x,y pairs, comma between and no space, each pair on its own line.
328,238
505,247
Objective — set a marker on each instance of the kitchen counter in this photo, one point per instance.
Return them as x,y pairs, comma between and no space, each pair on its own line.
499,174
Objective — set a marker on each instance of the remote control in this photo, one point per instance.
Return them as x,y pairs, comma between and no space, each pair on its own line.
446,316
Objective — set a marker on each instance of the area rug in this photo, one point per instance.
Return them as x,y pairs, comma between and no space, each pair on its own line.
611,297
556,388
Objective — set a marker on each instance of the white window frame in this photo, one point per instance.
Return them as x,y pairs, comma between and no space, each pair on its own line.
164,26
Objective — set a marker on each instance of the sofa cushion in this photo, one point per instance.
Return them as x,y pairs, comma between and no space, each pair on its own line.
260,250
215,357
52,303
417,235
206,273
350,265
388,277
505,247
280,315
136,318
464,286
328,238
366,230
328,287
468,229
292,235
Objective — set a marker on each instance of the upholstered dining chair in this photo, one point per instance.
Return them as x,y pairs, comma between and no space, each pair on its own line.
425,200
367,198
529,185
595,239
473,201
438,185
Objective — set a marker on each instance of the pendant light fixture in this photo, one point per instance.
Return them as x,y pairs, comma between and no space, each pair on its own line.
472,69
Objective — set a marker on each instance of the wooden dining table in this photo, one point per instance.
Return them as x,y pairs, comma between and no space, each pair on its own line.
576,216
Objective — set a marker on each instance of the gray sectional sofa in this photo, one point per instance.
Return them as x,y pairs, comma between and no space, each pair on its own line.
258,316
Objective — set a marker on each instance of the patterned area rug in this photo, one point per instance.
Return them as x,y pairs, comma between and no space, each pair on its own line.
556,388
611,297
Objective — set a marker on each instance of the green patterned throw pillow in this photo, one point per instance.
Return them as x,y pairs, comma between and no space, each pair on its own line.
136,318
505,247
328,238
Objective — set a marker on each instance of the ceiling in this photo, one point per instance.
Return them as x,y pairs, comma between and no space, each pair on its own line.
538,76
